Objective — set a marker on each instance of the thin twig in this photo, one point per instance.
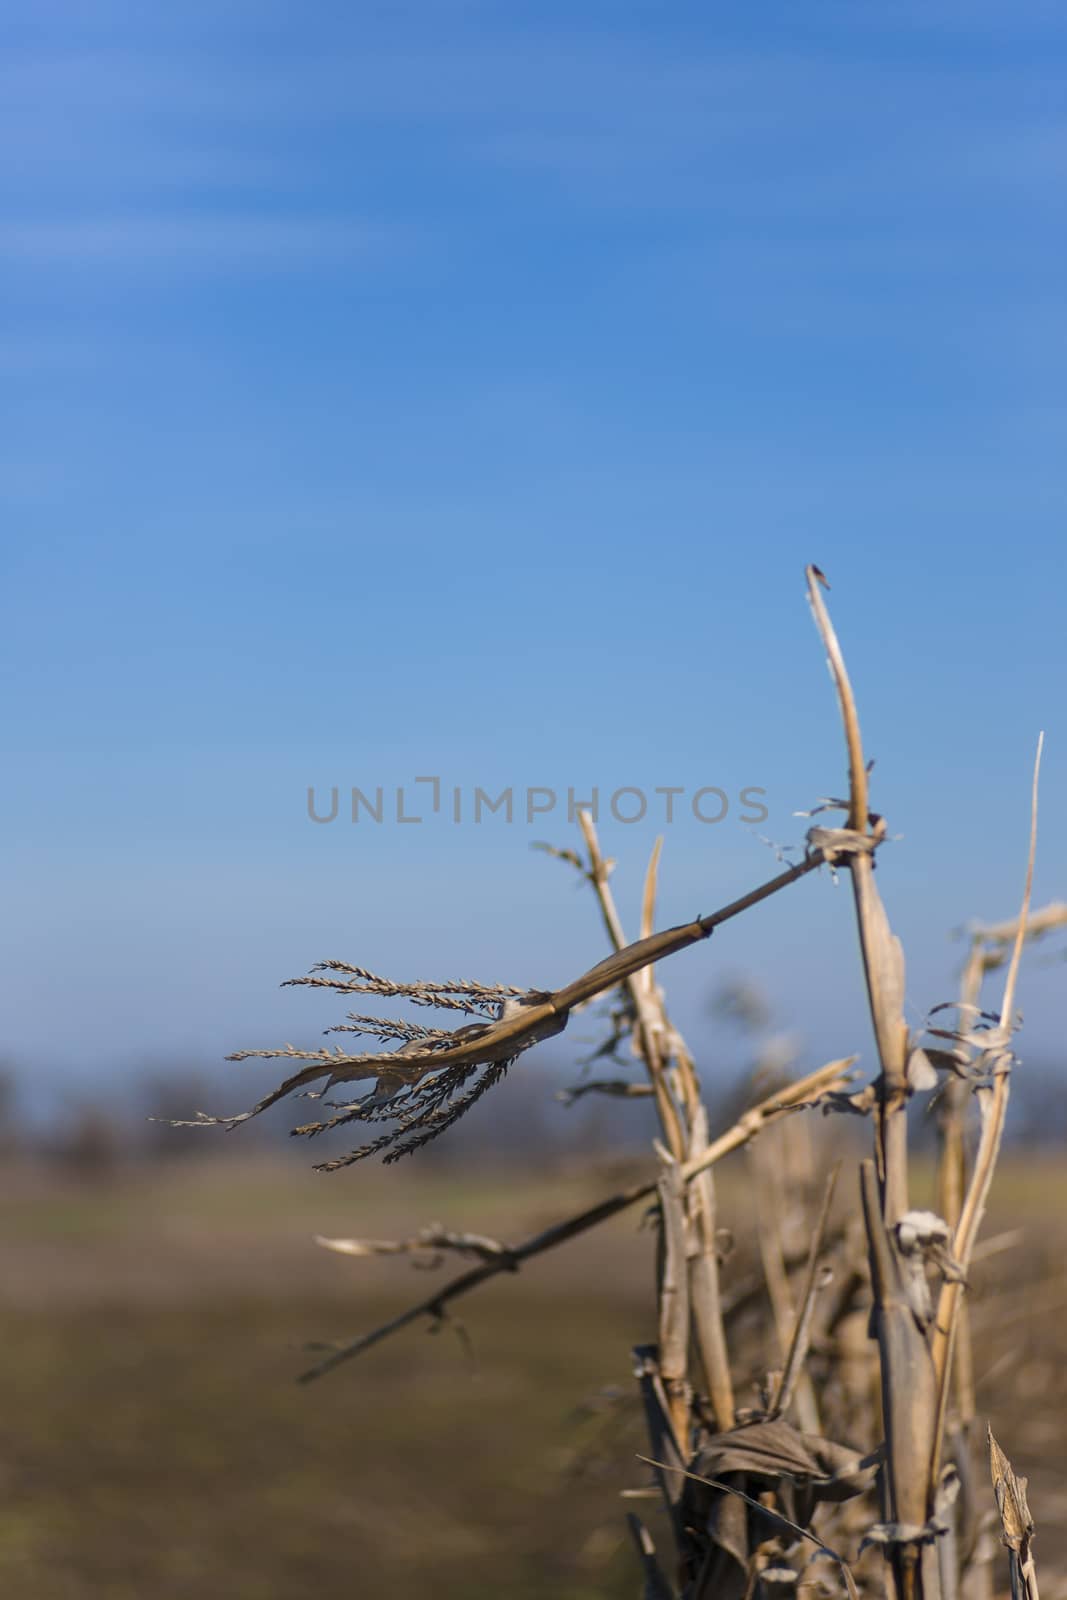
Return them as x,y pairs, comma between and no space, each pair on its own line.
825,1080
705,1298
883,958
683,1120
431,1240
617,1088
994,1105
802,1331
639,988
674,1299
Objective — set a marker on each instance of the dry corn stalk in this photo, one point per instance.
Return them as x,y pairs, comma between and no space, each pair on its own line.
766,1477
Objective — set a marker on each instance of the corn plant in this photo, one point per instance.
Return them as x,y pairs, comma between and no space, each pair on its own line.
844,1455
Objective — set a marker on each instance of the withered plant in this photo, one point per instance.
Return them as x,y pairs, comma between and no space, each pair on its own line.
835,1446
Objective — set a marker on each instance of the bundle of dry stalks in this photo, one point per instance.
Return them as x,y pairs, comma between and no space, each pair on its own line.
852,1462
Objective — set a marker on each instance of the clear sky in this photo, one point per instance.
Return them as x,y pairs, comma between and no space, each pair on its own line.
458,389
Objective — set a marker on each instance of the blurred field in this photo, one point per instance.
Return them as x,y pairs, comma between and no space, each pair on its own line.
153,1442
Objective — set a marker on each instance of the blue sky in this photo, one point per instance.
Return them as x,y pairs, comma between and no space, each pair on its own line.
459,389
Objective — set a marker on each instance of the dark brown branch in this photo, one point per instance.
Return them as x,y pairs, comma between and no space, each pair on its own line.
805,1091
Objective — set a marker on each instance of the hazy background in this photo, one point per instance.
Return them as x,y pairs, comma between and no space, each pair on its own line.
458,389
